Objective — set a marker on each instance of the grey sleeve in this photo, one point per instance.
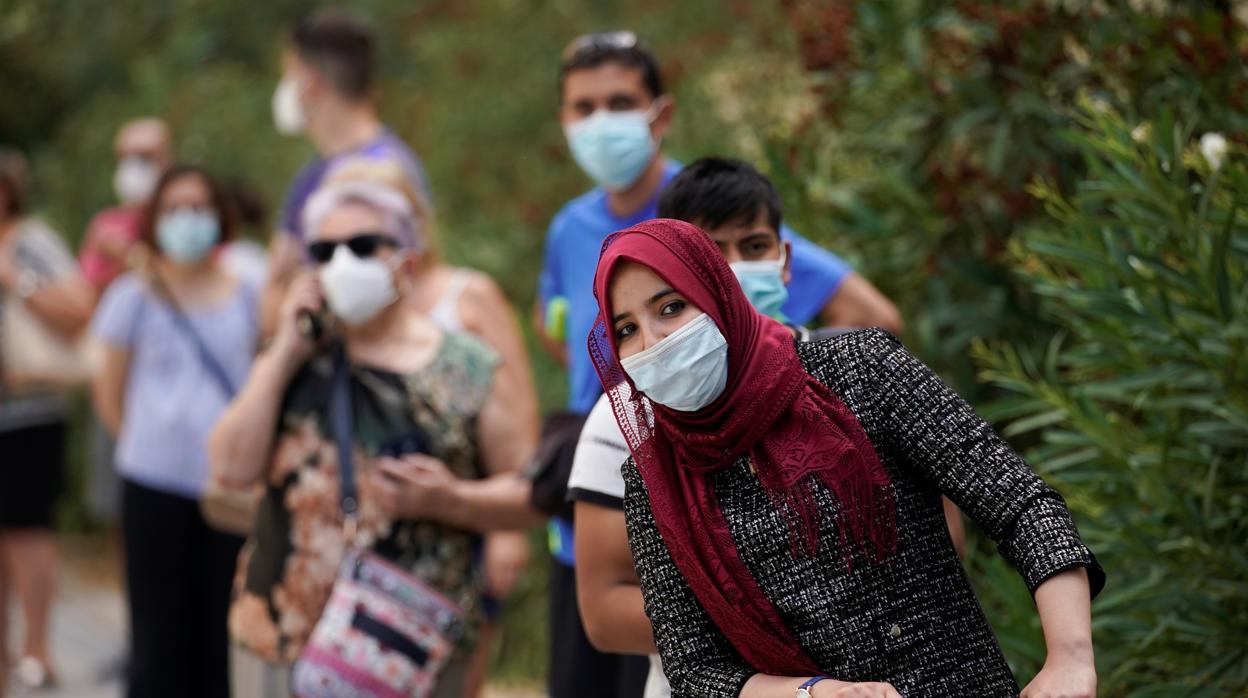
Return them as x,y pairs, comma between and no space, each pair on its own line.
942,437
698,660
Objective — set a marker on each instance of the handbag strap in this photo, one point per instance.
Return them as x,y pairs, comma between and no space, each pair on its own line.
183,323
341,423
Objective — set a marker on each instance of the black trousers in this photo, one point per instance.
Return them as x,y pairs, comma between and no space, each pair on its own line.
179,573
576,668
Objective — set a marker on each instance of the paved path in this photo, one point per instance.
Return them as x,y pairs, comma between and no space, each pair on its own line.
88,627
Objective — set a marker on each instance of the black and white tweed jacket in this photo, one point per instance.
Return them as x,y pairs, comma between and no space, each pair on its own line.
912,621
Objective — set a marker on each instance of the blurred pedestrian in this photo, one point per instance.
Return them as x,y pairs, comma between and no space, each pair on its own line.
783,499
459,299
178,339
143,150
615,113
438,444
246,257
328,93
44,306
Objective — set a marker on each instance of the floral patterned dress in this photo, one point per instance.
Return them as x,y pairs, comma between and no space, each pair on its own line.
287,569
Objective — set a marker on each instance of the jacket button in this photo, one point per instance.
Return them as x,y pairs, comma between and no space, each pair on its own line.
895,631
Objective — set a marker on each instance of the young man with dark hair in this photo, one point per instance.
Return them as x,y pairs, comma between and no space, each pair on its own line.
740,209
328,93
615,113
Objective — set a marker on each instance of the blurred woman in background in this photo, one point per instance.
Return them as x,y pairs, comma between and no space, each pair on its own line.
438,438
178,339
459,299
46,304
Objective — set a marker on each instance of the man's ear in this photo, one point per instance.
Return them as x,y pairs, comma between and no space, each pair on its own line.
788,261
663,120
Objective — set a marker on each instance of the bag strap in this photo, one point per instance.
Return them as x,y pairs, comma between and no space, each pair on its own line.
341,423
183,323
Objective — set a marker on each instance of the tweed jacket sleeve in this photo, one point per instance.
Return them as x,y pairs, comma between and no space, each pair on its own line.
939,435
697,659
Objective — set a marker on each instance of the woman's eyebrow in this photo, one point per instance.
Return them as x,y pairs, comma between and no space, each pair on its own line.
652,300
659,296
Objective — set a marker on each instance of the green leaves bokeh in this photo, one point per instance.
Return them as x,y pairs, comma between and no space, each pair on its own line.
1022,177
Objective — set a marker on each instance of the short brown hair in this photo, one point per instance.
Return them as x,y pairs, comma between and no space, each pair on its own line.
340,47
151,211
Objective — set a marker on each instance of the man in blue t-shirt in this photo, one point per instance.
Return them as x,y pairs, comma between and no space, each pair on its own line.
327,94
615,113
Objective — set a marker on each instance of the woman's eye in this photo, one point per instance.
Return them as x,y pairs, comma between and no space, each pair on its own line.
672,308
625,331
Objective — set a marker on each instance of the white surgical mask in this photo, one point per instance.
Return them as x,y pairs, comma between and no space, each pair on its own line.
686,370
135,179
357,289
763,283
614,147
288,114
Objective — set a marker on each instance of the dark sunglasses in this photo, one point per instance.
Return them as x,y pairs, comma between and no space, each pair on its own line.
599,41
362,245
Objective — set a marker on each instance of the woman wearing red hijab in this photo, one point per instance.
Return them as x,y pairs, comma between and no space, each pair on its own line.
784,501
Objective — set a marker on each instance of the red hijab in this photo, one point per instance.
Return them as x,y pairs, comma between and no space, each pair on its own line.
794,429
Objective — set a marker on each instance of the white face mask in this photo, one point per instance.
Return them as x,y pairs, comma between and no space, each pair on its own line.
288,114
357,289
135,179
686,370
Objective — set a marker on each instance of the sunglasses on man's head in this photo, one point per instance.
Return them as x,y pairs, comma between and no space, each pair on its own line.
599,41
362,245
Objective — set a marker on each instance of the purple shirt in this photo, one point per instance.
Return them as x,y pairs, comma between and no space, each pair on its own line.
386,146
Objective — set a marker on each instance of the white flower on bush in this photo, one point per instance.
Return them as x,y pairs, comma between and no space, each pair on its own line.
1213,149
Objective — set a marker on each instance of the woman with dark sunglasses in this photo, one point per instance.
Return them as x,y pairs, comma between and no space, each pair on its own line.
462,299
783,501
437,446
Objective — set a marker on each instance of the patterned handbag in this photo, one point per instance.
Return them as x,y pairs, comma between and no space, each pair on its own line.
384,632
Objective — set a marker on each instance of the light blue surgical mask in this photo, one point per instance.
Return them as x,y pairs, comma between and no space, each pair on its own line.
187,235
763,283
686,370
614,147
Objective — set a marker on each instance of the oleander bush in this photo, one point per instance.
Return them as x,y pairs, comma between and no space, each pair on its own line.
1138,405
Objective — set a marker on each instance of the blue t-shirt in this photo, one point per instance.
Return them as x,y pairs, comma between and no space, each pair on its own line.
574,241
386,146
172,399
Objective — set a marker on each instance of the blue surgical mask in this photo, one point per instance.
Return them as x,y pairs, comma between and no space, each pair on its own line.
763,283
187,235
614,147
686,370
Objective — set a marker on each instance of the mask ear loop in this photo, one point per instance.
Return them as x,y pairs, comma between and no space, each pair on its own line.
656,108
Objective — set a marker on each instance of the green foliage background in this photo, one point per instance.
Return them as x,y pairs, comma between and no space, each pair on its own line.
1020,176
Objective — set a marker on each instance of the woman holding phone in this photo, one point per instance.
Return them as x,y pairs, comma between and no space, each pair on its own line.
437,449
783,501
